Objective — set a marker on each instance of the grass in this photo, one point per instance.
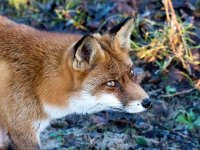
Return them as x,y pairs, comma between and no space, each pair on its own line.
167,45
188,118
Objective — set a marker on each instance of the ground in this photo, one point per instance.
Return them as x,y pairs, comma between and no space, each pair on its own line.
172,122
153,129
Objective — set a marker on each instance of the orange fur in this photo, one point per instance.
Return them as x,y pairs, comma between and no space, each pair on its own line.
39,68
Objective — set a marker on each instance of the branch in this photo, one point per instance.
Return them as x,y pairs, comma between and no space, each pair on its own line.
154,91
178,93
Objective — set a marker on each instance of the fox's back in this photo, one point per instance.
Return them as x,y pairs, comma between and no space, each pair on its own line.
29,51
20,40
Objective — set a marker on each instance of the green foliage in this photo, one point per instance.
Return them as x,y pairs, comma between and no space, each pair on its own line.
18,4
58,135
64,13
152,42
163,46
140,140
170,89
189,119
72,148
80,14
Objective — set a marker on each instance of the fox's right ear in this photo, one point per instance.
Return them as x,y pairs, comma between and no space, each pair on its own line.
121,33
87,52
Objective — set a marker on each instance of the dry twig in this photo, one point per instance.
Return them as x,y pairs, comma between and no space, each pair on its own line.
178,93
177,41
154,91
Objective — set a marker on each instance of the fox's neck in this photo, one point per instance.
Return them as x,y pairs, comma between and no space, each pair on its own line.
58,84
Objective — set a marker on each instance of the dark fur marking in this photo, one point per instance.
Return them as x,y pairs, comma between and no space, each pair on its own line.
76,46
115,29
86,50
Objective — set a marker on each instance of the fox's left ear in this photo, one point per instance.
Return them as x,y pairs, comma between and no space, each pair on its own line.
121,33
87,53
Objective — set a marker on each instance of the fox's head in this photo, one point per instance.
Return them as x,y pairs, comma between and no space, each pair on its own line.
108,79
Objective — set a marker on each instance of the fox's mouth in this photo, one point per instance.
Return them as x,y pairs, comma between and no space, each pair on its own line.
124,110
129,109
118,109
134,107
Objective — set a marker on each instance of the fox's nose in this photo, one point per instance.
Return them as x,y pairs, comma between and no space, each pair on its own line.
146,103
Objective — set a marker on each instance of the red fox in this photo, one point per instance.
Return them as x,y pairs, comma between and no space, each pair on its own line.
46,75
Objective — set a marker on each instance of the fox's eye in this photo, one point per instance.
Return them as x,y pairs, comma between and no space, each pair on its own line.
111,83
132,72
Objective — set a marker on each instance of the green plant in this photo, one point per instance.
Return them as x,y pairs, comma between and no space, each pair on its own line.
170,89
18,4
140,140
72,10
188,118
166,45
155,46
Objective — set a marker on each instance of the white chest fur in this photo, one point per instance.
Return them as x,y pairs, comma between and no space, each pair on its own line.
85,103
39,126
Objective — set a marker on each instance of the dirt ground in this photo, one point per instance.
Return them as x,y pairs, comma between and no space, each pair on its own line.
154,129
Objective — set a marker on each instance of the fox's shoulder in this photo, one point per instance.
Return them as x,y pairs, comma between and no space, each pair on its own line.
5,21
11,28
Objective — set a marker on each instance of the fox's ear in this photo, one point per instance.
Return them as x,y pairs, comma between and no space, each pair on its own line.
121,33
87,53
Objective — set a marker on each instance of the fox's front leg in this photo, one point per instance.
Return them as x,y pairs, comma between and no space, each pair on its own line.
24,140
4,139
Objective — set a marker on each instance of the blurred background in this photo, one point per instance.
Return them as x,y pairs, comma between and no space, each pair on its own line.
166,50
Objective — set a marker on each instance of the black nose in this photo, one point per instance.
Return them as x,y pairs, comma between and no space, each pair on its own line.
146,103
